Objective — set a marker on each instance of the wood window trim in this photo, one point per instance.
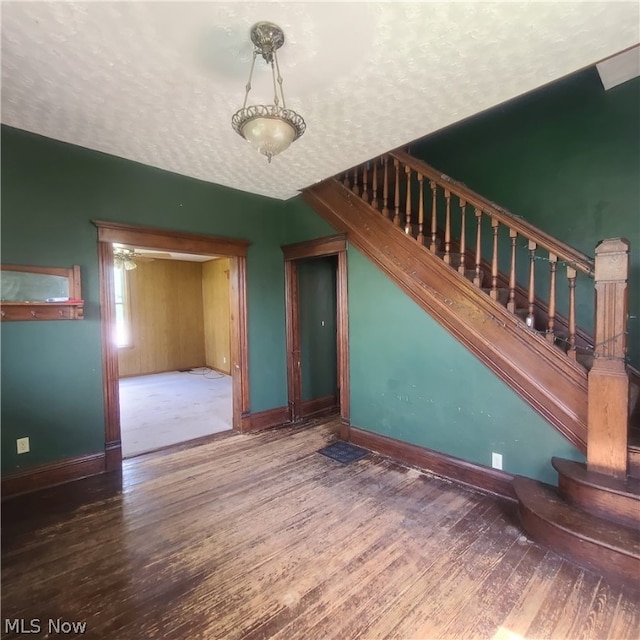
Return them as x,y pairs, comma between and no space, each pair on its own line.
168,240
322,247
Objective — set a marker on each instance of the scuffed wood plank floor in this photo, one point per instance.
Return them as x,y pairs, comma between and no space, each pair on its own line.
258,536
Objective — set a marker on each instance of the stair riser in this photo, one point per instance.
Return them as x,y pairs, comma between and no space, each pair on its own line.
618,567
602,503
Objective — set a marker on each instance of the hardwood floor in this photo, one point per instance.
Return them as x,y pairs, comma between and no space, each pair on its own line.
258,536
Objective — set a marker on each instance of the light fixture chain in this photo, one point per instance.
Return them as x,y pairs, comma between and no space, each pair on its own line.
284,105
248,86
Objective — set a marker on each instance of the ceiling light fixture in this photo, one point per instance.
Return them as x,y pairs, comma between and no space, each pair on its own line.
125,257
269,128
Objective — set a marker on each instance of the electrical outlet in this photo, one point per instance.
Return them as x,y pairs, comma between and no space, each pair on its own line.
22,445
224,359
496,460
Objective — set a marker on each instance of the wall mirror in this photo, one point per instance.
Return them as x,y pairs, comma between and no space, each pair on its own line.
40,293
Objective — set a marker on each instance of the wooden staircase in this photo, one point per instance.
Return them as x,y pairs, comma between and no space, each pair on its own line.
431,234
591,518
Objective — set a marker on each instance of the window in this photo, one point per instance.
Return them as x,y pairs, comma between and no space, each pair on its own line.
123,330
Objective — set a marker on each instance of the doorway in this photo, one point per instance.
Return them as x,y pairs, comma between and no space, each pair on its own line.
174,362
165,240
317,328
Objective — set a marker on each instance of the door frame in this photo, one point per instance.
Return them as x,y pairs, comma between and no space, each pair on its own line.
181,242
321,247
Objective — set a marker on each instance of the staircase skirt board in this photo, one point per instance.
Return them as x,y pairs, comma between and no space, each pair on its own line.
551,383
605,547
604,496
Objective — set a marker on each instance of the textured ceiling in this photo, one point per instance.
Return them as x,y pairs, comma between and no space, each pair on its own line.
159,82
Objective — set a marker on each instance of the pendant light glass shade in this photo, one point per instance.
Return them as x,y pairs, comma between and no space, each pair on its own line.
268,128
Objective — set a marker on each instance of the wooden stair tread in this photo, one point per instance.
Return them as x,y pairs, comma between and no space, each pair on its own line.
543,500
577,471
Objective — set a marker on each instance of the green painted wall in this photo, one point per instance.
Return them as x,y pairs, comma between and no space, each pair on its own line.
567,159
302,223
51,371
318,326
418,384
411,380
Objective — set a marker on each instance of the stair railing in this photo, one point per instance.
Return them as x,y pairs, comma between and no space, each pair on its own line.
450,220
439,214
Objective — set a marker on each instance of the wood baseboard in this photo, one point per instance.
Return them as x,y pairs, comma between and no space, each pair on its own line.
345,428
265,419
157,371
217,370
460,471
48,475
318,406
113,456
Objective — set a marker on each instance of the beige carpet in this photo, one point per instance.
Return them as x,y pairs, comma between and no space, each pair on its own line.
168,408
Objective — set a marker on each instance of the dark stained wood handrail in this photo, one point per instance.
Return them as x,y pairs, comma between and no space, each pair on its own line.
566,253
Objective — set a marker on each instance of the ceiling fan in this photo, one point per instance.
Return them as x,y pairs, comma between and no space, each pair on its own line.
129,258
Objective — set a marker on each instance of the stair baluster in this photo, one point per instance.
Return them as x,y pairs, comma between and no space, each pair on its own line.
511,305
365,182
551,316
396,203
374,200
477,279
447,227
495,224
463,248
571,277
420,237
433,247
385,188
532,284
407,223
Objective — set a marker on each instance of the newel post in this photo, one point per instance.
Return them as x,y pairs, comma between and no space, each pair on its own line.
608,385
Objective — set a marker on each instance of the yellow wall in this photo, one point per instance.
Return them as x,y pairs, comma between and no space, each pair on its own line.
166,318
215,297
